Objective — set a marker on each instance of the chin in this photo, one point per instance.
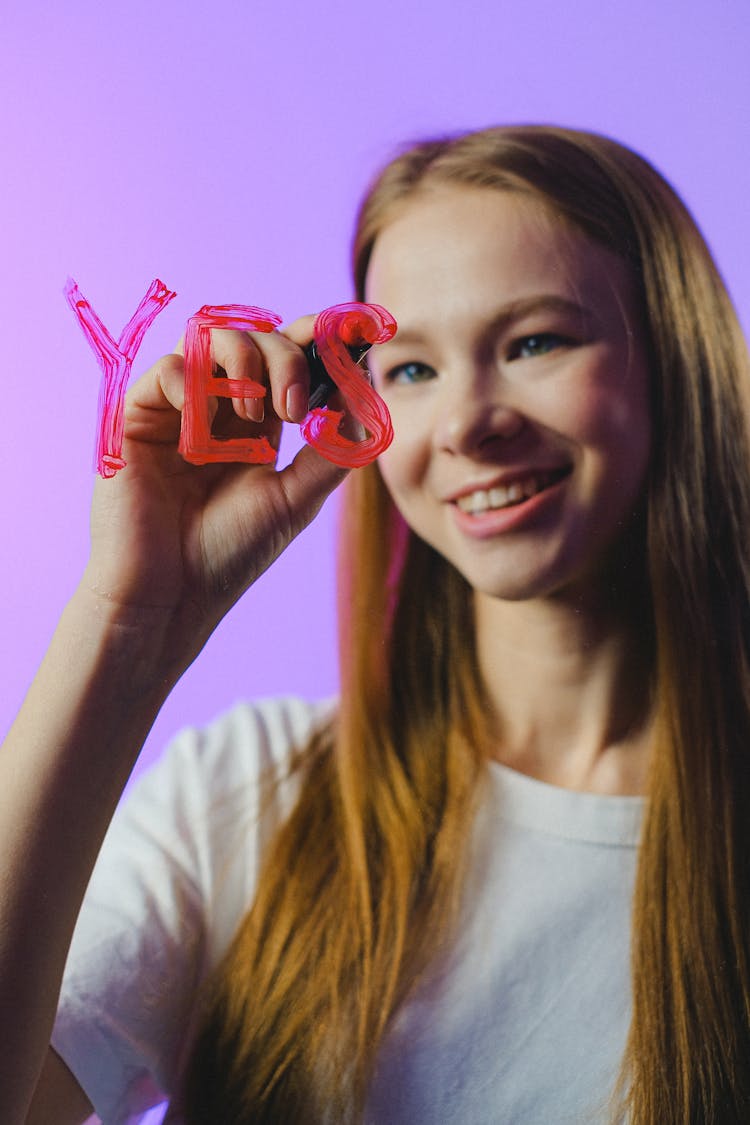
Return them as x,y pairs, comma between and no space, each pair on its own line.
521,586
534,582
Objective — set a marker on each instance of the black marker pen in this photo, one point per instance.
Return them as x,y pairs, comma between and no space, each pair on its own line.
322,385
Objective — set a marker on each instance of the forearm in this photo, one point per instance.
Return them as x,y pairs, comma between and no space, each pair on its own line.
186,541
62,770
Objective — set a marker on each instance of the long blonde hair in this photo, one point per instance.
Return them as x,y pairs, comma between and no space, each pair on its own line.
360,888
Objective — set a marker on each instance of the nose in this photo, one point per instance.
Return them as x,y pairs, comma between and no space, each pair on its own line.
473,417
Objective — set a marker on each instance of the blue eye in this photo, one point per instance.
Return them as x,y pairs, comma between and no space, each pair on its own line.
540,343
410,373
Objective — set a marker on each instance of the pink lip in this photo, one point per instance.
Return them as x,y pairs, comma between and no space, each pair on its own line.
486,525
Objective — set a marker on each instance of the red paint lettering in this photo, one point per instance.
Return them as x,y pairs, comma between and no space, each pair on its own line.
350,324
197,444
116,361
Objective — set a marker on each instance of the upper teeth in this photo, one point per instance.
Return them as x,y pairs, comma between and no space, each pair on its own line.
503,494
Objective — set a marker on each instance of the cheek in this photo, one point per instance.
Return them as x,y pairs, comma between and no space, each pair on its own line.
394,470
615,430
608,411
406,459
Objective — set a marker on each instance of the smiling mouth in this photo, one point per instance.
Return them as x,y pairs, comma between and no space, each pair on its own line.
509,495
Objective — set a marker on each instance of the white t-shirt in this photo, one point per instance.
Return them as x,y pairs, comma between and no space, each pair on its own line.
523,1023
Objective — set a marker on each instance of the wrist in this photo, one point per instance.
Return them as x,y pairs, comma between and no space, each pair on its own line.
141,646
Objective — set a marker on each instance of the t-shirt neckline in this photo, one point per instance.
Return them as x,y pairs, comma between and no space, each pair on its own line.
570,814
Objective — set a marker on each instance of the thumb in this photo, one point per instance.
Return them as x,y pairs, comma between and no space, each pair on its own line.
307,481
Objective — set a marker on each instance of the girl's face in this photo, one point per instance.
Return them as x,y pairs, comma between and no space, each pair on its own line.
518,387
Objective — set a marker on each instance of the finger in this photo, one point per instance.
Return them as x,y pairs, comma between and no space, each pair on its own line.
272,359
287,374
297,396
155,402
239,357
300,331
162,387
307,481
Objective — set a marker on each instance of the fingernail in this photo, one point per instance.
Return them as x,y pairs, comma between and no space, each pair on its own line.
296,403
254,409
250,408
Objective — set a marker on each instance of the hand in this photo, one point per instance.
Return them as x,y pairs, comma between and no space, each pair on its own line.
183,542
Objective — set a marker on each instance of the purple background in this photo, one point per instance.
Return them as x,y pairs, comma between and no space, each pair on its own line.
223,148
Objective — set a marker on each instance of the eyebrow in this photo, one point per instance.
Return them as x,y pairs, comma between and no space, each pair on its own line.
551,302
507,314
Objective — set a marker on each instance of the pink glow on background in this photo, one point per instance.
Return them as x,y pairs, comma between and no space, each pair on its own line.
225,148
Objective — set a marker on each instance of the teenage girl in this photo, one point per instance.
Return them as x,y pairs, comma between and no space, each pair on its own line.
505,878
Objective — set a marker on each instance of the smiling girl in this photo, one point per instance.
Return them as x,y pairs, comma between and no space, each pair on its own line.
505,877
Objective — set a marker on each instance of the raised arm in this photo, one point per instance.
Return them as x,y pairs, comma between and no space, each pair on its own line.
173,548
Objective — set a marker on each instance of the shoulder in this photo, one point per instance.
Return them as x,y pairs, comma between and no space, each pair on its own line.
252,743
219,793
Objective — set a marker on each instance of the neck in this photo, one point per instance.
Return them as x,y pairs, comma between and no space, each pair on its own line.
567,681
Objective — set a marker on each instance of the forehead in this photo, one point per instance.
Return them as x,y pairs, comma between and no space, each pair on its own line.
456,248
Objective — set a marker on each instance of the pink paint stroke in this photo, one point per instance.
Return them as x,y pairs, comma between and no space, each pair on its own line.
350,324
197,444
116,360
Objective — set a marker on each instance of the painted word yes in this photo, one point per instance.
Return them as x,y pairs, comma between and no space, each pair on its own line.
335,329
